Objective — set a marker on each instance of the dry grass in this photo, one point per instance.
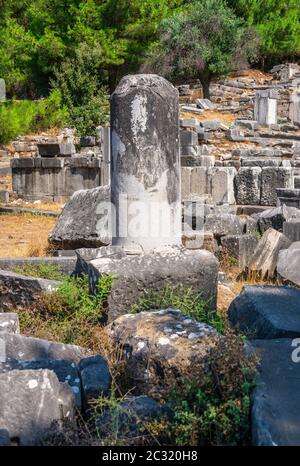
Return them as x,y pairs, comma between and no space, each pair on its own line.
52,207
226,118
23,235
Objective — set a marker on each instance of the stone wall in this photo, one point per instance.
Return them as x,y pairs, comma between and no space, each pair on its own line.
54,179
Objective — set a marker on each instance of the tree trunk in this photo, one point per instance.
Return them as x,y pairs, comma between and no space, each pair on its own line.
205,81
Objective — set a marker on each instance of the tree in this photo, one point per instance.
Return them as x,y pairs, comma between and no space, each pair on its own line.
200,41
277,23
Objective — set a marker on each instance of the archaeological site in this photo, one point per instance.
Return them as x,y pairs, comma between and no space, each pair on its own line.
150,225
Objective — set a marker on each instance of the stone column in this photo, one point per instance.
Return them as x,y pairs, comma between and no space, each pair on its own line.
265,108
145,164
2,90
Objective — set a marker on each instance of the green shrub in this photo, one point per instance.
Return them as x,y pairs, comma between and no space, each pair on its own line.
27,116
71,314
41,270
185,299
86,98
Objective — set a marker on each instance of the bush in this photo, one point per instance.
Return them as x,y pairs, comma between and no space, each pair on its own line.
26,116
86,99
41,270
71,314
185,299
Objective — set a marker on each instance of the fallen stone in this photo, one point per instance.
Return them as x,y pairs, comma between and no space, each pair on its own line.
162,347
9,322
291,229
240,247
223,224
265,256
18,290
95,377
272,179
66,372
132,416
30,402
275,218
25,348
135,273
4,196
267,312
288,266
54,150
276,398
248,186
204,104
289,197
84,221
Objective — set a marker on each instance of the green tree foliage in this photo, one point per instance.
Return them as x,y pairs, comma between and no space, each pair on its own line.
278,24
200,42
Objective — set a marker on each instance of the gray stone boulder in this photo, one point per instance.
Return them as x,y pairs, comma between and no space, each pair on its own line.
9,322
272,179
84,221
240,247
30,402
136,273
275,217
248,186
276,398
18,290
66,372
35,349
162,347
291,229
131,416
267,311
265,255
223,225
288,266
95,377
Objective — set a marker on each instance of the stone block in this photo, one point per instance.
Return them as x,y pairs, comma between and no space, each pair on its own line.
275,400
66,149
275,218
256,162
156,359
4,196
291,229
288,266
87,141
200,181
223,224
267,311
95,377
31,401
222,183
241,247
85,220
265,256
289,197
248,186
272,179
18,290
48,162
197,269
188,138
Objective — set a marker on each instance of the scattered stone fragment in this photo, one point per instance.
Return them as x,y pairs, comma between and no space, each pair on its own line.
161,347
31,400
276,398
265,256
267,311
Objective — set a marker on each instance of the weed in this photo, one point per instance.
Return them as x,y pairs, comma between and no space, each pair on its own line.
185,299
41,270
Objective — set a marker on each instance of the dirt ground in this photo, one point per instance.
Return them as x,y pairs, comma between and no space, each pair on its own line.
24,235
